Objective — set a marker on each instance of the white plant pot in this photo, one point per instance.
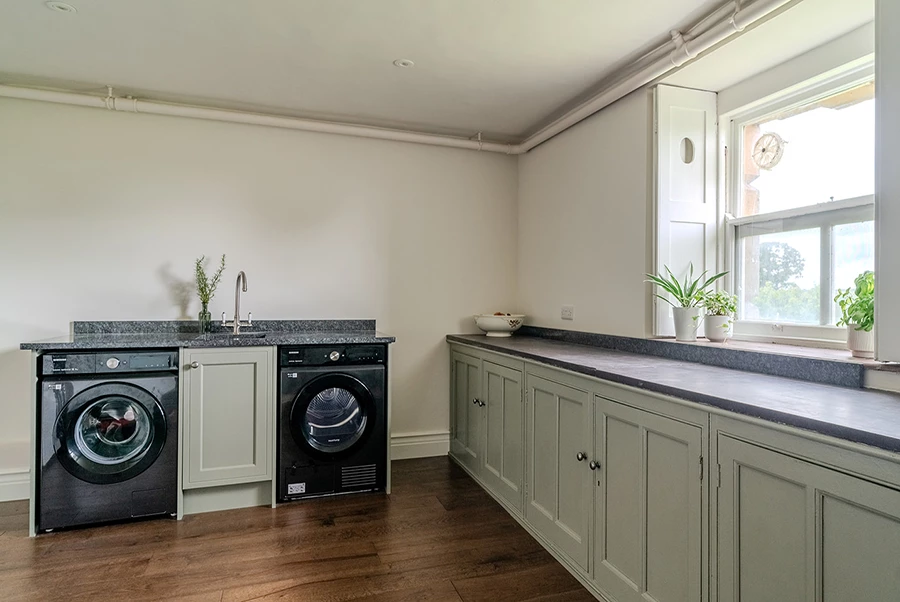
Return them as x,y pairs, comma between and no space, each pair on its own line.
860,342
717,328
687,322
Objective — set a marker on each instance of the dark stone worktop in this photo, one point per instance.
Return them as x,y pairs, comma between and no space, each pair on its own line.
149,334
863,416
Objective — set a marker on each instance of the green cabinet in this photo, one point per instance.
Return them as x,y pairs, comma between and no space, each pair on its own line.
793,530
503,471
648,505
558,489
228,416
465,420
648,498
487,423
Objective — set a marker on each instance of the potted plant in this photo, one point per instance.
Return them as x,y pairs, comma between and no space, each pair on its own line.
206,288
858,315
720,308
688,296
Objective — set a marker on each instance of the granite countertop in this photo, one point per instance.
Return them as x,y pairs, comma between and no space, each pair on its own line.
142,334
863,416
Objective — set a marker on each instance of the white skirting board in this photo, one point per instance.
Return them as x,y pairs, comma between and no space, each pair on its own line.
420,445
15,485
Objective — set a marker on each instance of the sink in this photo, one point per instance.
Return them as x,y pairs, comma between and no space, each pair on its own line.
241,335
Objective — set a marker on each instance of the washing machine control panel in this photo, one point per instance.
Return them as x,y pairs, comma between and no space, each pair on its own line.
111,361
322,355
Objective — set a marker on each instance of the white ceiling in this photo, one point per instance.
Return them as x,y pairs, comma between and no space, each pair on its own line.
497,66
798,29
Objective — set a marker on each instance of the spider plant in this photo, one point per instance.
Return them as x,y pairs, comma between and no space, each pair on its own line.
688,293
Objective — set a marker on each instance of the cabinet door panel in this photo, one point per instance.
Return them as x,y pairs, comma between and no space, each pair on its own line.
227,393
229,423
860,544
790,530
558,484
649,505
504,463
466,440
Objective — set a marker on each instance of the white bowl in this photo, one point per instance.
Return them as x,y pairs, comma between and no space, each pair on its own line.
499,326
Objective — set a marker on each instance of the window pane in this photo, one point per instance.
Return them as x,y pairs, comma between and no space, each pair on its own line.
854,253
780,277
821,152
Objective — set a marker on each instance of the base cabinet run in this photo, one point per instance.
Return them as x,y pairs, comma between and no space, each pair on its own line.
646,498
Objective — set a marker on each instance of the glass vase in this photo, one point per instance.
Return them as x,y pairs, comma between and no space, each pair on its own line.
205,319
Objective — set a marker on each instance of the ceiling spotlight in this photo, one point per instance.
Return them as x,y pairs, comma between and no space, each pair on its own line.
60,7
404,63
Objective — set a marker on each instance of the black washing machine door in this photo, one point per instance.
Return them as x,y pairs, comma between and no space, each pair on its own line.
332,416
110,433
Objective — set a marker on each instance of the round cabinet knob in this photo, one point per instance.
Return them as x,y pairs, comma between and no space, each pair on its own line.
594,465
475,401
334,356
195,365
581,456
112,363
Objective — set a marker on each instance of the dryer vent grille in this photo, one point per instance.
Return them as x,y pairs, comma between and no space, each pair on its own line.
357,477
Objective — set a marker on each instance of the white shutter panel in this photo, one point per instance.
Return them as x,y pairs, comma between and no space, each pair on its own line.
685,214
887,181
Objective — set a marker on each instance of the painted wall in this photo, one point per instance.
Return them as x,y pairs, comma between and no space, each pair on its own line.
102,215
887,180
585,234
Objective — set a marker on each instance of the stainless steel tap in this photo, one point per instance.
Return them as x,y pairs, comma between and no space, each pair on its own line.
236,323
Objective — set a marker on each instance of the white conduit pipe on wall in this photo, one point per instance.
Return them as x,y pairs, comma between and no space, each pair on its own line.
684,50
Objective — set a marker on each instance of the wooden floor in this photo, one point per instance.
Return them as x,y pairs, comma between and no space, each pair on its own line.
438,537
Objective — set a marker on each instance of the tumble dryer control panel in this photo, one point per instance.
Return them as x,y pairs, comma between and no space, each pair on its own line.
325,355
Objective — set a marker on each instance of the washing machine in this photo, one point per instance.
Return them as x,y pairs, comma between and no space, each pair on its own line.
108,432
332,431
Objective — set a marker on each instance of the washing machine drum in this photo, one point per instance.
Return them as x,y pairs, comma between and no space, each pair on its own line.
110,433
332,416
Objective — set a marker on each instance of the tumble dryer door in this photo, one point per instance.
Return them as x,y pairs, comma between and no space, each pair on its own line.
110,433
332,416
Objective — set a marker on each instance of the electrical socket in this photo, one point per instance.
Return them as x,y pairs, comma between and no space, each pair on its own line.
568,312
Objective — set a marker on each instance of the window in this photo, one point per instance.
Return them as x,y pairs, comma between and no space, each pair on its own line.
801,209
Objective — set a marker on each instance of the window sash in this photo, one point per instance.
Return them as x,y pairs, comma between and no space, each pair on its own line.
824,217
835,82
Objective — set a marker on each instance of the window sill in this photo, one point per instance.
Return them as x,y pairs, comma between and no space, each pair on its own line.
781,349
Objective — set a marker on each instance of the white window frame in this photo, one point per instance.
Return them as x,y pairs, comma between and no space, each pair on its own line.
825,214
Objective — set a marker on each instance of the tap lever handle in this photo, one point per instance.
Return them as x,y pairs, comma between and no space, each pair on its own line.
249,318
223,318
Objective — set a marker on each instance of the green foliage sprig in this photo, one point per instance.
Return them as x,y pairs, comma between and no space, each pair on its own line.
206,286
687,294
858,306
719,303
